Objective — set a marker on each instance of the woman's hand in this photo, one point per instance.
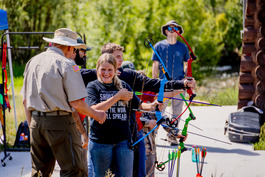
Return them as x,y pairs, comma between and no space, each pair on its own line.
181,136
155,103
125,95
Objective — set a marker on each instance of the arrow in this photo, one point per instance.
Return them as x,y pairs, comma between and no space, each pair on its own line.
197,102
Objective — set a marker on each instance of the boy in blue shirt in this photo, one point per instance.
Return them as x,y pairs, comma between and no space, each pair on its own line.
173,53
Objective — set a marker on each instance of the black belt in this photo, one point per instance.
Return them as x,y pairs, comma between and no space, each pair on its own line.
53,113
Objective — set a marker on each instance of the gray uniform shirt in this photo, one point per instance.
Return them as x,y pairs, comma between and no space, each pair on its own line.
51,81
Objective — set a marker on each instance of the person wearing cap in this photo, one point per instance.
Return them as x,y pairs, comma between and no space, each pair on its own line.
52,89
80,54
174,54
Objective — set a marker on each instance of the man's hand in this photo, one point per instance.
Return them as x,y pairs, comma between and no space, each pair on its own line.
81,129
84,139
100,116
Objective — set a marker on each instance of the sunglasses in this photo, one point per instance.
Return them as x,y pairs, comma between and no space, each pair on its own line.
170,29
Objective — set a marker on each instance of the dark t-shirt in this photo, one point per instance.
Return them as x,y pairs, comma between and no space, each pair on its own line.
116,127
135,80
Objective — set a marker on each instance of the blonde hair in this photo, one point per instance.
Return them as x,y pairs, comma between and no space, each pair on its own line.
108,58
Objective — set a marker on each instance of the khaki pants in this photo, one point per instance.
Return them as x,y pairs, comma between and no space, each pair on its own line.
55,138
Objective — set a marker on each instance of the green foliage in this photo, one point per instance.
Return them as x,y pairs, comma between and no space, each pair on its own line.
221,91
35,16
261,144
212,27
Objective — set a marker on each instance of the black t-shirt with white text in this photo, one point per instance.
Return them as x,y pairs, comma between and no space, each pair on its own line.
116,127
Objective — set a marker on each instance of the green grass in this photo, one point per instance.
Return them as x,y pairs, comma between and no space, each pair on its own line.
221,90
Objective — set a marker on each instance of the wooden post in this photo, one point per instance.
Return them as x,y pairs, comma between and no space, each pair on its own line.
247,64
245,78
260,58
260,73
260,44
260,87
246,91
248,48
249,35
250,8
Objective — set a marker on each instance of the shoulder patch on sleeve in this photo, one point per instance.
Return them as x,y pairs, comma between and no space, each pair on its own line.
76,68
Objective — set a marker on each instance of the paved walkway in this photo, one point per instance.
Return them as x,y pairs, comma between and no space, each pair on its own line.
222,160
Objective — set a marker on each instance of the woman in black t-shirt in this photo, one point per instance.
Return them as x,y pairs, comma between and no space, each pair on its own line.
108,141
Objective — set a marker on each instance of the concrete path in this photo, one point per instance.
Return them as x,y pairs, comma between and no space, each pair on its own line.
222,160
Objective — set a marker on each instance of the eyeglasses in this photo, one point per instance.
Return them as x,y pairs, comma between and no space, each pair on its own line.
170,29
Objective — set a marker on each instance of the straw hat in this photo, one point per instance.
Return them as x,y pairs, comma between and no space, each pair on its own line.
66,37
172,22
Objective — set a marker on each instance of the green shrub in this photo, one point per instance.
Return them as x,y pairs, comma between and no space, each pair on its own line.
261,144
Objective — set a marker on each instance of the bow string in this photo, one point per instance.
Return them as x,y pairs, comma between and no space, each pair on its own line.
160,96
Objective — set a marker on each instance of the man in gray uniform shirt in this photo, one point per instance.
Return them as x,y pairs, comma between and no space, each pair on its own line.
52,89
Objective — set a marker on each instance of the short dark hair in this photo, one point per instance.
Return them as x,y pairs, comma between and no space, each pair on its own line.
110,48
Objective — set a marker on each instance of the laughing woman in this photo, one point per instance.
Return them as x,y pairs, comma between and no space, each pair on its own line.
109,141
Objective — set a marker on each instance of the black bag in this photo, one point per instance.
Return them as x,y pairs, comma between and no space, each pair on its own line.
22,137
244,126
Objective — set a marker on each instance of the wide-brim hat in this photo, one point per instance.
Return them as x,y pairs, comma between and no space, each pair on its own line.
172,22
66,37
79,40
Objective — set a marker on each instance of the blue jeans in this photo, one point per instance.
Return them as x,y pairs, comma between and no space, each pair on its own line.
142,158
102,156
90,164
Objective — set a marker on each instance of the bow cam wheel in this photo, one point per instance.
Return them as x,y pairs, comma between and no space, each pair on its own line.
147,42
